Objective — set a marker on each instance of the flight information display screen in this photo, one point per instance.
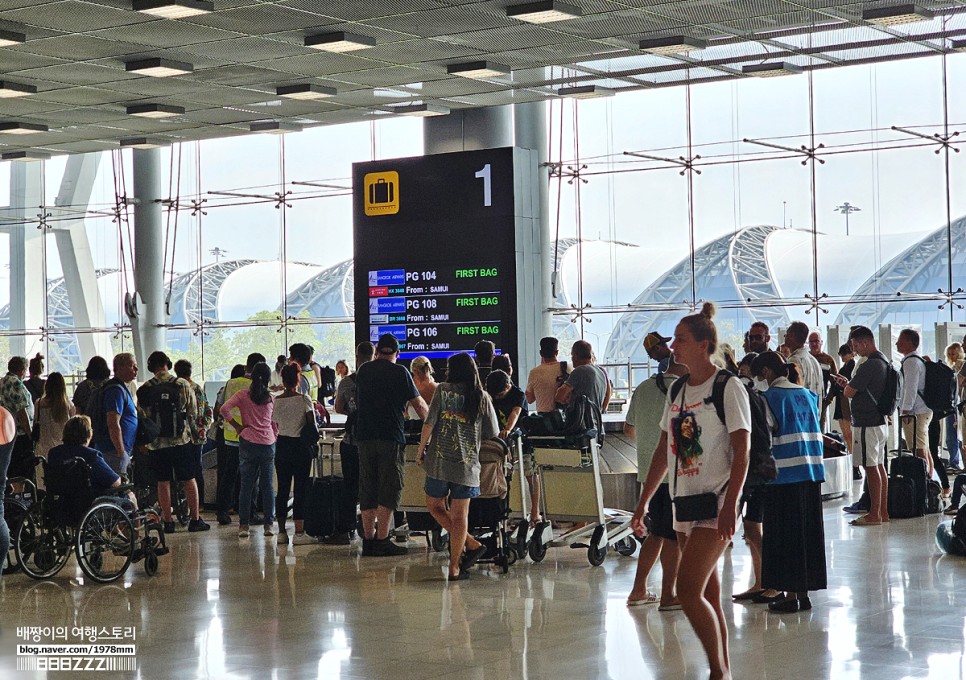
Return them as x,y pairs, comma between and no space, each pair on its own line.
435,262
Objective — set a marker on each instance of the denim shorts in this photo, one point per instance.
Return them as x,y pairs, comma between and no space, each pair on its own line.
437,488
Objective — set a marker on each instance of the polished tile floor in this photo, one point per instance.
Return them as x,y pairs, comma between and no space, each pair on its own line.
224,608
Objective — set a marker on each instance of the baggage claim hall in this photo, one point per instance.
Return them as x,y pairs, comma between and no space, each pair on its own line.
217,178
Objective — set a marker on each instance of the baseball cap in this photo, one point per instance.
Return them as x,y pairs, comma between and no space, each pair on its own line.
653,339
387,344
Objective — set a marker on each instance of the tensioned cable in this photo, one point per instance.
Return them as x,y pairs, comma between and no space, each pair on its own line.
949,210
690,172
579,220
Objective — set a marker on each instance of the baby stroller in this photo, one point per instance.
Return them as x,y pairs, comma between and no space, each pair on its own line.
489,512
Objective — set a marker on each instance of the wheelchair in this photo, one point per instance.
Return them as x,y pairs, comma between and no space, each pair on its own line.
15,506
106,533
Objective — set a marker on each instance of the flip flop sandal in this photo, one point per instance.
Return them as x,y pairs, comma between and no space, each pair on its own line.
650,599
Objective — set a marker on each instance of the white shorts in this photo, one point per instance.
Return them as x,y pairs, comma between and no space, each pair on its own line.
869,445
686,527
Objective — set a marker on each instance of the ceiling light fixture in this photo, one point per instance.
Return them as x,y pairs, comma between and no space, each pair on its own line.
895,15
18,128
155,110
545,12
674,44
340,41
173,9
25,155
771,69
11,38
478,69
305,91
421,110
143,143
586,92
275,127
157,67
10,90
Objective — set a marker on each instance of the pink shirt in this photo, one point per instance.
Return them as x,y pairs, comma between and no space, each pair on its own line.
256,417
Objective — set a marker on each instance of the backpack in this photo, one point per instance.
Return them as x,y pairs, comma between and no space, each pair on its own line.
940,391
95,409
888,400
959,524
164,404
327,385
661,381
761,463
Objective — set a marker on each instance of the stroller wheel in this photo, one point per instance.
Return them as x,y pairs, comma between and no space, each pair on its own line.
511,555
626,546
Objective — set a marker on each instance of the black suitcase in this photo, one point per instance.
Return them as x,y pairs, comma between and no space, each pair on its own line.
912,468
324,500
902,498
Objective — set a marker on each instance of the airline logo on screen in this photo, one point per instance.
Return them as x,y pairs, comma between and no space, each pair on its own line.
381,193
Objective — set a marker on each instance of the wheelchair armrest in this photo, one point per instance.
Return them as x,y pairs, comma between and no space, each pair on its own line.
121,490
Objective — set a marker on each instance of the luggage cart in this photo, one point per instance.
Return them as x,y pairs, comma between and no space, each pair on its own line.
413,502
570,485
524,535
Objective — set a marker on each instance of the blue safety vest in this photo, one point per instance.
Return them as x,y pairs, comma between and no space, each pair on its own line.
797,445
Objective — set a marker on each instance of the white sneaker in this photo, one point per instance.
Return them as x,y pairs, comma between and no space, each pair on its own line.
282,538
304,539
243,531
269,531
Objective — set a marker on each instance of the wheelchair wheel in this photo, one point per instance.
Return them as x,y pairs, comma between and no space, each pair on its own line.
537,549
42,549
626,546
14,512
511,555
105,542
151,564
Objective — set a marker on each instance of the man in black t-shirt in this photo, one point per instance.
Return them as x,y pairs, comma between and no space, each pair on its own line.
484,351
509,401
384,388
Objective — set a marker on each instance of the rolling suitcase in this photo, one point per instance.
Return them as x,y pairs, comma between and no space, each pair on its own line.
324,498
913,469
902,498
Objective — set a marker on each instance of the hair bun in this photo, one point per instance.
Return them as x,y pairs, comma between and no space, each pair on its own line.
708,310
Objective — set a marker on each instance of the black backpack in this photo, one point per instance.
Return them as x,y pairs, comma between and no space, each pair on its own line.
888,401
327,384
95,408
940,392
164,404
761,463
959,524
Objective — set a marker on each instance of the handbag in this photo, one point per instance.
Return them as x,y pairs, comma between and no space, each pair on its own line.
694,507
309,434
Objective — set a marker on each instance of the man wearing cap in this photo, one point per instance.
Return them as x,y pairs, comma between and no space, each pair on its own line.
543,381
656,347
384,389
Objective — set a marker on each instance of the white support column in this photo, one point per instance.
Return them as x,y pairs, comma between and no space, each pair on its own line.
148,254
77,262
27,286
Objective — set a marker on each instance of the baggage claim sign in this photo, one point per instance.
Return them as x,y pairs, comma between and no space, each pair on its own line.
434,252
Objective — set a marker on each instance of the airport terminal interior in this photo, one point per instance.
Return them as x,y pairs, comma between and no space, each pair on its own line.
214,178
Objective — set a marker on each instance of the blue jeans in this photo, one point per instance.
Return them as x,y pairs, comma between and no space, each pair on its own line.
255,459
952,439
5,451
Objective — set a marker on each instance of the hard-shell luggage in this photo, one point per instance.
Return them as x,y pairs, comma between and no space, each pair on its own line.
324,498
902,498
913,469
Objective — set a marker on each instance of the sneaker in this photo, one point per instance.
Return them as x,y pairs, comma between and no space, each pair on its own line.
856,474
951,511
269,530
198,525
304,539
282,538
341,538
243,531
169,527
471,557
855,509
224,519
367,549
386,548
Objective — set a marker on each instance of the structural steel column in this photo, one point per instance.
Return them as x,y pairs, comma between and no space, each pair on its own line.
148,255
27,285
468,130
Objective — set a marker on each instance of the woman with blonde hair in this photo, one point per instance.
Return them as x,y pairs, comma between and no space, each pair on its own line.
707,458
955,358
52,413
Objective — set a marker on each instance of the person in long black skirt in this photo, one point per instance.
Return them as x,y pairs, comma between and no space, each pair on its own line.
793,543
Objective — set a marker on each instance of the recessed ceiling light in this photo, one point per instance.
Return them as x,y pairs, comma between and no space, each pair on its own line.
173,9
275,127
897,14
9,90
340,41
675,44
959,45
158,68
155,110
10,38
25,155
771,69
544,12
585,92
478,69
421,110
305,91
143,143
18,128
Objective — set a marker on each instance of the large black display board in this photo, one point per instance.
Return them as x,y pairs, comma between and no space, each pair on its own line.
434,252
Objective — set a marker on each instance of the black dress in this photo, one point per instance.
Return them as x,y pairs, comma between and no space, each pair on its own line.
842,411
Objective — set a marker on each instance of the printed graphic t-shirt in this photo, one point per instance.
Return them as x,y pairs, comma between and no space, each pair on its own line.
453,454
699,441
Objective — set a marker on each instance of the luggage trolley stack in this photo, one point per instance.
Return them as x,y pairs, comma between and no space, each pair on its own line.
571,491
413,501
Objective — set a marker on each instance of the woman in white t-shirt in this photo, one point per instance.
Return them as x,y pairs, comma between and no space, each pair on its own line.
293,454
704,456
